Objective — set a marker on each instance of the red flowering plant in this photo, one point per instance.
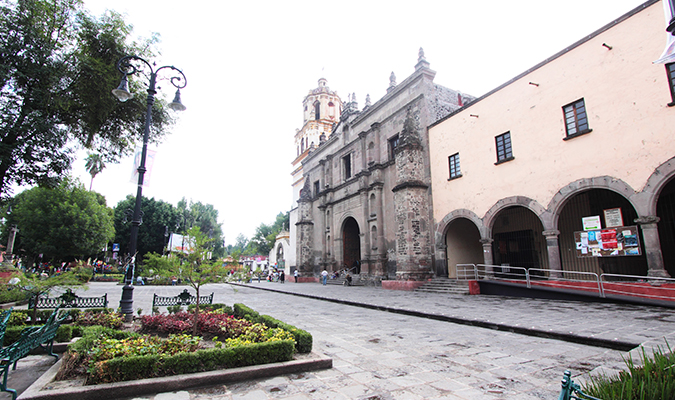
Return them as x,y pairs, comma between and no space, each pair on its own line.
209,324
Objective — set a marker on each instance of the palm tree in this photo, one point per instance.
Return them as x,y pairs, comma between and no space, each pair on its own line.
94,166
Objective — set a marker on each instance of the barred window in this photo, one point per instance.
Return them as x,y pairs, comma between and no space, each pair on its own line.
455,170
670,70
504,150
576,121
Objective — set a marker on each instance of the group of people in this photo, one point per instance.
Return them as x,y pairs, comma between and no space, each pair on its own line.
335,275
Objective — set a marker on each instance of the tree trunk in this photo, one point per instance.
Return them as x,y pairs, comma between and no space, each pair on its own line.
196,316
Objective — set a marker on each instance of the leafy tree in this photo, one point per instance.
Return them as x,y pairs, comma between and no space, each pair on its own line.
266,235
94,165
57,68
241,242
261,241
204,216
158,219
63,223
196,268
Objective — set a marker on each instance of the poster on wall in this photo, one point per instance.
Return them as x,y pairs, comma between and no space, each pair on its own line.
613,217
610,242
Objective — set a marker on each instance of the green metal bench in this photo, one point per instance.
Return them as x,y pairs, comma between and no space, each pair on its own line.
183,299
571,390
69,300
4,319
31,338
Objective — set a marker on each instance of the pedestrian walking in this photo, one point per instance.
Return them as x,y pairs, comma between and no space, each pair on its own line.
324,276
295,275
282,276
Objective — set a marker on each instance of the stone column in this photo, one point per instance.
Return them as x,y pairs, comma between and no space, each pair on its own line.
652,246
305,234
411,207
442,267
375,128
487,257
553,250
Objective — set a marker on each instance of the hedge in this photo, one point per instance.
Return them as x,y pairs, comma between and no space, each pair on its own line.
141,367
303,339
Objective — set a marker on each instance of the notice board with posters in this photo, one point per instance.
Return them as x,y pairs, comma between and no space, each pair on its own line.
609,242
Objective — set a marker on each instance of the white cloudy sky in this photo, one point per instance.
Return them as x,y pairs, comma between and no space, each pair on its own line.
249,65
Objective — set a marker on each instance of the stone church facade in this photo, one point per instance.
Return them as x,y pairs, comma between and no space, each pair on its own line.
365,202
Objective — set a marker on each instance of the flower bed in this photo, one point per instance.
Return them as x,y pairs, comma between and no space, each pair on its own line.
106,355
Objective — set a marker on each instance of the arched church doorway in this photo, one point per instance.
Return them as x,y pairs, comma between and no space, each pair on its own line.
665,210
351,245
518,241
593,203
281,262
462,241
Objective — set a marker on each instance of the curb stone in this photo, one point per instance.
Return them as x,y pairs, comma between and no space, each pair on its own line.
141,387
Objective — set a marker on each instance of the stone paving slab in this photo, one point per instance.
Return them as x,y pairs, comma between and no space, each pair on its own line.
380,355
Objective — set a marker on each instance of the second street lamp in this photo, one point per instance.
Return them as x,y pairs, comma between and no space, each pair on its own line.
128,66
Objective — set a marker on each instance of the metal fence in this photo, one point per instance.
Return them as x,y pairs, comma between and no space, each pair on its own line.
604,284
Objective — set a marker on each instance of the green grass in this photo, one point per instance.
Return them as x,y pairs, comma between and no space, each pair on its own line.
653,380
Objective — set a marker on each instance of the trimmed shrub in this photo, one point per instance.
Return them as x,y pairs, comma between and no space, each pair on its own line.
303,339
64,333
140,367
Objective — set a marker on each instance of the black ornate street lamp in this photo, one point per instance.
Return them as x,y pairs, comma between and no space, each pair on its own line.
128,66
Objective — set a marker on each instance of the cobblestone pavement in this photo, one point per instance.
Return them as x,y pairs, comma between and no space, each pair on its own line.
387,355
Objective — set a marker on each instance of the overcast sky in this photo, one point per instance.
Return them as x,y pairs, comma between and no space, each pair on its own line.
249,64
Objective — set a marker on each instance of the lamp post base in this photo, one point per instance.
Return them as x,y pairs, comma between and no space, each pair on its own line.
127,302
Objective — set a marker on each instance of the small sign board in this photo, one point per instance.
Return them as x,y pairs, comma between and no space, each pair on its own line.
613,217
610,242
591,223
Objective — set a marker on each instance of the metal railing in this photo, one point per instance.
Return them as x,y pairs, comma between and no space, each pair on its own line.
603,284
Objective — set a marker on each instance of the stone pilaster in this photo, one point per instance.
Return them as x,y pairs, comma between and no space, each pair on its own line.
305,233
652,246
487,257
553,250
411,207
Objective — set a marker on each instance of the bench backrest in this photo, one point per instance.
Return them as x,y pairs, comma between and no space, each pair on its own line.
183,299
4,320
33,337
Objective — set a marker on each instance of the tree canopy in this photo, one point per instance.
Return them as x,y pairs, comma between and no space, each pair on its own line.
265,235
63,223
57,70
160,218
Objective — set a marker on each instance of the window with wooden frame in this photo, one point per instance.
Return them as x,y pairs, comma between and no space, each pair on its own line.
347,165
317,188
576,120
670,70
504,150
453,162
393,144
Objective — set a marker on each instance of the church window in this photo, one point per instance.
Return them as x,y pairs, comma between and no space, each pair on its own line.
317,110
455,171
504,150
331,110
347,163
393,144
317,188
576,121
670,69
